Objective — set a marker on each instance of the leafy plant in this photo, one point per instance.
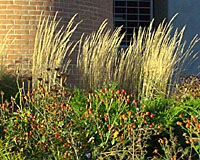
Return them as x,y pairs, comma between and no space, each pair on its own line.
45,125
171,149
191,127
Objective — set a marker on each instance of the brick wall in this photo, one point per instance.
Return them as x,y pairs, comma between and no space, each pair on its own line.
23,16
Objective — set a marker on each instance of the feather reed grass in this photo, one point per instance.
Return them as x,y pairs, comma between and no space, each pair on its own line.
4,48
97,57
52,49
149,66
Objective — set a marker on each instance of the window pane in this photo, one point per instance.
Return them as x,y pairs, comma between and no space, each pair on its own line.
144,4
123,43
132,10
132,4
120,17
130,31
144,17
120,3
132,17
144,24
120,10
131,14
129,37
118,24
144,11
123,30
132,24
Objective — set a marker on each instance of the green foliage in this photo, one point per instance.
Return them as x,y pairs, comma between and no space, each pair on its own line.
57,124
108,123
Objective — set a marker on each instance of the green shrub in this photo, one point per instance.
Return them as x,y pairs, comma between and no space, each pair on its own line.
45,125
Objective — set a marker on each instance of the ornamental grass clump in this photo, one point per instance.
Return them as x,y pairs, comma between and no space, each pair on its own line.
97,57
146,67
8,86
52,49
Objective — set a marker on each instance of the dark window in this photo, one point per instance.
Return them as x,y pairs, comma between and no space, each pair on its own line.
145,17
144,11
120,17
132,4
120,3
132,17
132,14
120,10
120,23
132,10
144,4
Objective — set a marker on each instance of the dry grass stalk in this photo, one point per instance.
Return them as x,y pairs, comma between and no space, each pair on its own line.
146,67
4,48
52,49
97,56
135,149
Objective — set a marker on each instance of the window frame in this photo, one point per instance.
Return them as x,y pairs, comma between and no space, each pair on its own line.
125,15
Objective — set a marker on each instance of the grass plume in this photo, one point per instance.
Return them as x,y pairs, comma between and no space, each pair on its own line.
52,49
146,67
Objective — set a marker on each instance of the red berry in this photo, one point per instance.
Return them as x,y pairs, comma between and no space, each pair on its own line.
152,116
187,125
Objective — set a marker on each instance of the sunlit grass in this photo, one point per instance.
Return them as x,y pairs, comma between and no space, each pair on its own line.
52,49
146,67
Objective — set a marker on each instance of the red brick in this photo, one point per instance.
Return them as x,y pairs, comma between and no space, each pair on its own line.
19,57
21,12
17,2
2,26
3,12
14,36
37,3
21,42
14,7
3,6
14,17
21,31
13,26
6,21
21,21
23,16
6,2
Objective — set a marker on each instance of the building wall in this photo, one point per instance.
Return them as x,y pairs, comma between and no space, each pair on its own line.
189,11
160,11
23,16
